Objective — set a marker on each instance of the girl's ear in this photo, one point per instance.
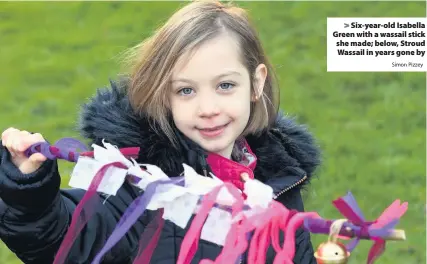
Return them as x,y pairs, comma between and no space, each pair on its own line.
259,81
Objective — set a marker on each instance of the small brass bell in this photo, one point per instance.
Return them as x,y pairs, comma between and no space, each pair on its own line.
332,251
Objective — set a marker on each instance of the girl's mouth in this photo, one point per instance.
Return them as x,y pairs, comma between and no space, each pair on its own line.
211,132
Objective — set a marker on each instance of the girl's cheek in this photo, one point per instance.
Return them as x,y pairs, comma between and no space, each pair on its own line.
238,102
238,108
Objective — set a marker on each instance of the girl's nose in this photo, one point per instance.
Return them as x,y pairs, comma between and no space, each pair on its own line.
208,106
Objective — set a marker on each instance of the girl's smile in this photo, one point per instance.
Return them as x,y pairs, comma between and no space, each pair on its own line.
212,132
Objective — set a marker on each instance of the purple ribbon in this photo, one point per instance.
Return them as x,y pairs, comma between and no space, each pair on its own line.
322,226
131,215
65,148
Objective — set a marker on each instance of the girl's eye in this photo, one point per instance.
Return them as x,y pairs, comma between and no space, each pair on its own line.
185,91
226,86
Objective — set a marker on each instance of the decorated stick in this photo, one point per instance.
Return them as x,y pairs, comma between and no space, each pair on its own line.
66,149
354,225
322,226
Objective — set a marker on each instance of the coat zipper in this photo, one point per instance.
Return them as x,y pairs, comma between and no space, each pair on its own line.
290,187
277,196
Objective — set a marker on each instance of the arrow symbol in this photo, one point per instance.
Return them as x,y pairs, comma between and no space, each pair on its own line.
346,25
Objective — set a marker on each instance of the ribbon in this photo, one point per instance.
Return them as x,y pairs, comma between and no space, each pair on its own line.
82,213
271,223
131,215
68,149
65,148
348,207
191,240
149,240
287,253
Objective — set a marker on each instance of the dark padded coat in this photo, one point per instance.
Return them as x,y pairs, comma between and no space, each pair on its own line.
35,213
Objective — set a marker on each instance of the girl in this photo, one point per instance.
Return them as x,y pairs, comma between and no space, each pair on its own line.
201,92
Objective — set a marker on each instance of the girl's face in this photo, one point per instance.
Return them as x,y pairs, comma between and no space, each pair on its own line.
211,94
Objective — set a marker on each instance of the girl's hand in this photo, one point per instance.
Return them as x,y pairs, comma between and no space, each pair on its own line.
17,142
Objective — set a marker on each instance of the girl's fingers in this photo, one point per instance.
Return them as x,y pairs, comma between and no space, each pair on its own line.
6,133
10,141
17,141
27,140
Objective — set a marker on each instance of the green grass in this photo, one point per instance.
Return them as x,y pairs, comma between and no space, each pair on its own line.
371,126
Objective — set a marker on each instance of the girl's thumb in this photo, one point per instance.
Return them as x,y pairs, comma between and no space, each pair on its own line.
37,158
33,163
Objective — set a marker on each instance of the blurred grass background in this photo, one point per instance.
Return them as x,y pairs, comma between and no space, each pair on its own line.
371,126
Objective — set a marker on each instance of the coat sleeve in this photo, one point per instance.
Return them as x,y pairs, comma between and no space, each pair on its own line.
304,253
35,215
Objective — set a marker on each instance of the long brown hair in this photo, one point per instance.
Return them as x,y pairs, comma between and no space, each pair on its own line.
154,59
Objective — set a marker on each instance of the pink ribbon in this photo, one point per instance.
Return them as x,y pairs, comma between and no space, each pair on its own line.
191,240
83,213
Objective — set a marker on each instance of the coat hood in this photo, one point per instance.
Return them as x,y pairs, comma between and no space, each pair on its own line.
286,153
